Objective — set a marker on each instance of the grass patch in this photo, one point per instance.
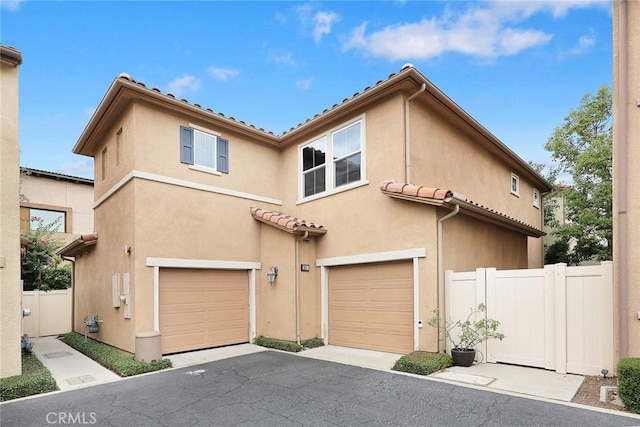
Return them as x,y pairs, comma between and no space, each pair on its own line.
35,379
313,343
278,344
114,359
629,383
422,362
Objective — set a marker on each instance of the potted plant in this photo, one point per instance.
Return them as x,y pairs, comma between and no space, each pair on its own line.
464,335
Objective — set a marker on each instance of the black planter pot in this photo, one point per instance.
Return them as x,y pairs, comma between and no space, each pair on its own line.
463,357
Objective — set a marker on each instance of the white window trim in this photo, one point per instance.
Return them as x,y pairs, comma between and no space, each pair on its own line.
517,190
205,169
329,164
536,199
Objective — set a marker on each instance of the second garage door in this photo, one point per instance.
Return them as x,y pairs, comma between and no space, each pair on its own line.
203,308
371,306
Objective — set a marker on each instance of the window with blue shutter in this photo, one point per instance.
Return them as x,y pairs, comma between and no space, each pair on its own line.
200,149
223,155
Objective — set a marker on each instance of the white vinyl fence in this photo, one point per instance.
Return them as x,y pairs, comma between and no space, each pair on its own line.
557,317
50,312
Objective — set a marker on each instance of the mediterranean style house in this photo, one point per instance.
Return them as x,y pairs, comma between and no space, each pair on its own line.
210,231
11,289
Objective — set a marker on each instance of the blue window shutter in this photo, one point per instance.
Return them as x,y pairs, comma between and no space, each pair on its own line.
223,155
186,145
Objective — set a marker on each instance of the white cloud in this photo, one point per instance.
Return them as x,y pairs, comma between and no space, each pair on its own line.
304,84
323,21
11,5
585,43
485,30
319,24
222,74
182,84
82,168
284,58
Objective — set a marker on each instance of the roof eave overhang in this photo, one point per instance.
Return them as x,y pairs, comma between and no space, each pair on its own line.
80,245
482,214
299,230
122,92
417,199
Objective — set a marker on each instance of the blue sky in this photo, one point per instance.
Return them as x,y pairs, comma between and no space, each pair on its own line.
516,67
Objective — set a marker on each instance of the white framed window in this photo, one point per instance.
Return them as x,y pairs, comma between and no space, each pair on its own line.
205,150
536,198
515,184
333,161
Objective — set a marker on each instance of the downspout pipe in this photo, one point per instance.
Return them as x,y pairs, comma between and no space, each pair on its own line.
407,136
305,236
622,167
442,343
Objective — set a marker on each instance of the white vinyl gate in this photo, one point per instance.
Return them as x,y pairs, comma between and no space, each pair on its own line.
558,318
50,312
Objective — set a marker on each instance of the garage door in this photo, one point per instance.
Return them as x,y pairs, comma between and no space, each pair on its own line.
203,308
371,306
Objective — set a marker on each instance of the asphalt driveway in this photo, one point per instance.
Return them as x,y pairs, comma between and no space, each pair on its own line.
278,389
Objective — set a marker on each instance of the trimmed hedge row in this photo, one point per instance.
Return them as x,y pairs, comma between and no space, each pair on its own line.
278,344
629,383
313,343
35,379
116,360
422,362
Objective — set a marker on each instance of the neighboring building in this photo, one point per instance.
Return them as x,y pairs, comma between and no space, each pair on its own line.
626,174
195,210
11,288
50,197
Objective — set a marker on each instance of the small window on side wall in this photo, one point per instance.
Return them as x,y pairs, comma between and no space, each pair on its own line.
536,198
515,184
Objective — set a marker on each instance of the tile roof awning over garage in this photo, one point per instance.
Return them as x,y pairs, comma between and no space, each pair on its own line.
287,223
80,245
448,198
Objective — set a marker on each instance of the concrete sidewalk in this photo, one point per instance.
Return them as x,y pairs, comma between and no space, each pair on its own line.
70,368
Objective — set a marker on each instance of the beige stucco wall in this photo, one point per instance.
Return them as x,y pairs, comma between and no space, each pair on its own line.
627,223
75,198
11,289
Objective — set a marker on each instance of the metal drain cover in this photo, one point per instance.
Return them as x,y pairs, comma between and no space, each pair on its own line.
57,354
79,380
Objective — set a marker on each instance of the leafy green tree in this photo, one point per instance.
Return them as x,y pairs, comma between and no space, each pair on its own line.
582,149
42,267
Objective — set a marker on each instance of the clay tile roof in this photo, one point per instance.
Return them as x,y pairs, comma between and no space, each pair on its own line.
80,245
440,197
286,222
429,194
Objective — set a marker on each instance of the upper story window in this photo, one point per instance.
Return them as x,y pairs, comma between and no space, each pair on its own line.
515,184
536,198
344,146
203,149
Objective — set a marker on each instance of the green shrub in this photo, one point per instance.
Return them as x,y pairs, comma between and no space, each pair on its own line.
278,344
629,383
422,362
313,343
116,360
35,379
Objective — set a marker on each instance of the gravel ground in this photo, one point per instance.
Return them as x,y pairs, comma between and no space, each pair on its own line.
589,393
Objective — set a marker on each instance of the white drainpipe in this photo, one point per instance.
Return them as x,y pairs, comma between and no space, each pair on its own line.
297,267
407,139
441,300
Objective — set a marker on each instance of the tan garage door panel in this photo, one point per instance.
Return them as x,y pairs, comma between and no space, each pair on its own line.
371,306
203,308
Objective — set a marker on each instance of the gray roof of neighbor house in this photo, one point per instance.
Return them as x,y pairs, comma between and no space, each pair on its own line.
124,88
56,176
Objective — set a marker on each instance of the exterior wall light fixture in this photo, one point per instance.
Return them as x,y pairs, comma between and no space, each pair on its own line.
272,274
